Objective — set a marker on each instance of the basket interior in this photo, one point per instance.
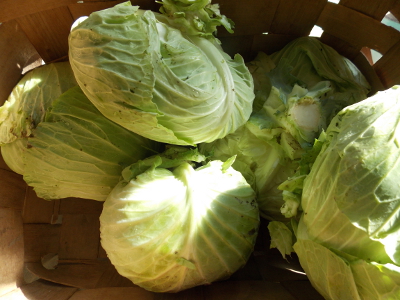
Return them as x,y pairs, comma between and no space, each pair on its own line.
51,249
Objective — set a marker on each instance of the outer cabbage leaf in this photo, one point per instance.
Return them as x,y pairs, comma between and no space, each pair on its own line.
351,197
12,154
30,98
330,275
77,152
152,79
169,229
339,276
281,237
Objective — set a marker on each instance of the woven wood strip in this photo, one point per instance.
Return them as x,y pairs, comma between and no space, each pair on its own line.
12,190
357,29
13,9
376,9
84,9
395,10
80,206
388,67
251,17
270,43
41,290
80,236
40,240
81,274
37,210
122,293
296,17
17,54
11,250
48,32
343,47
368,71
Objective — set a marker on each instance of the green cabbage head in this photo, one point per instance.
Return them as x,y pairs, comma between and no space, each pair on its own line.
77,152
169,226
351,204
171,85
30,98
26,106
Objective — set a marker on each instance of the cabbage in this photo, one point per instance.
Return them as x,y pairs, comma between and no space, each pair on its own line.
270,144
77,152
307,61
297,92
12,154
26,106
30,98
350,222
171,85
169,225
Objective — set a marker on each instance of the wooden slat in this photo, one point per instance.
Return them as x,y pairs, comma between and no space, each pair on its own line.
387,67
247,21
39,240
274,268
40,290
13,9
270,43
80,206
196,293
17,53
88,275
237,44
37,210
48,32
251,271
357,29
86,8
369,72
80,236
254,290
12,190
376,9
302,290
122,293
111,278
344,48
296,17
395,10
11,250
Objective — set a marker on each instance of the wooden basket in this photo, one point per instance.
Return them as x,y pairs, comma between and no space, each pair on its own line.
51,249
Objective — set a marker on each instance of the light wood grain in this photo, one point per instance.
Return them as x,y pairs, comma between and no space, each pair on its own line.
40,290
81,274
48,32
357,29
299,19
37,210
12,190
40,239
17,53
387,67
124,293
372,8
80,236
11,250
248,21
